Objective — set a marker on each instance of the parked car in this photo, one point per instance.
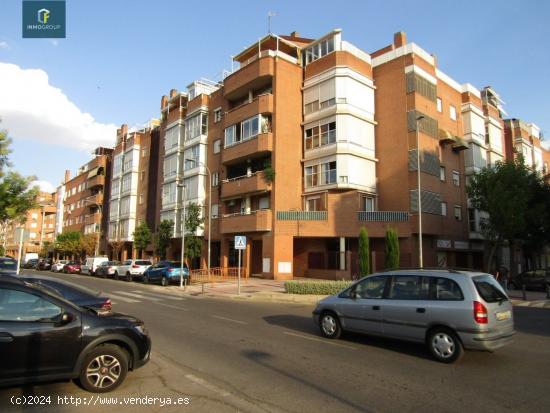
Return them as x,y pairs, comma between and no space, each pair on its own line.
45,264
68,342
445,309
90,265
133,269
31,264
72,267
76,294
107,269
165,272
58,266
532,279
8,266
30,256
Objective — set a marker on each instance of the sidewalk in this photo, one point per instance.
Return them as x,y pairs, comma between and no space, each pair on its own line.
533,299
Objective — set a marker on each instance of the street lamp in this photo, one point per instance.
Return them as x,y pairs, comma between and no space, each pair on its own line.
209,206
420,258
181,184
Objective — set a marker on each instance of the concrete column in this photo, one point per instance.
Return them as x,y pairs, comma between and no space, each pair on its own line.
342,253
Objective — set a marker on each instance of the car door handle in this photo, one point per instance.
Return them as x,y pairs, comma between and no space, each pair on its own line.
420,310
6,338
376,307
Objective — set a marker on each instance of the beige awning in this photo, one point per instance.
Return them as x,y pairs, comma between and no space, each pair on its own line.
93,172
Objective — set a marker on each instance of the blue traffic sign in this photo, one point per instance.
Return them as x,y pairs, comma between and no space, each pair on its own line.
240,242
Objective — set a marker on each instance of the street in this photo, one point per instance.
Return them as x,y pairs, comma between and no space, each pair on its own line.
234,355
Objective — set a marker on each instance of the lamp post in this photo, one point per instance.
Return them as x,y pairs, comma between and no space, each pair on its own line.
182,186
209,206
420,258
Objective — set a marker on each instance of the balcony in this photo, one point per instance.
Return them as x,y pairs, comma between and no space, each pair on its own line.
302,215
256,221
247,76
90,219
383,216
93,200
259,105
245,185
262,144
98,180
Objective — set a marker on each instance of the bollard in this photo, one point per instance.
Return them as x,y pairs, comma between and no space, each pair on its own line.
523,292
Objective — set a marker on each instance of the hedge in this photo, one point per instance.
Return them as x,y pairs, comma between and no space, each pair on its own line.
316,287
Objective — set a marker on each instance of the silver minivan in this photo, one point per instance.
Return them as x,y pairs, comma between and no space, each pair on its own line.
448,310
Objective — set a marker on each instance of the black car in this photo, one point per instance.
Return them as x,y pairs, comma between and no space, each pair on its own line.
44,264
44,337
31,264
76,294
532,279
8,266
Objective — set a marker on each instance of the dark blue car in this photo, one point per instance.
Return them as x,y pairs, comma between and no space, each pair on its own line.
165,272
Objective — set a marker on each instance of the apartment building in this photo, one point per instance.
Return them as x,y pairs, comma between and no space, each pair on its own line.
38,224
133,197
524,139
86,195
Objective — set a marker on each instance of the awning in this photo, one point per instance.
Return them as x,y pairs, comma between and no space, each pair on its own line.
446,137
93,172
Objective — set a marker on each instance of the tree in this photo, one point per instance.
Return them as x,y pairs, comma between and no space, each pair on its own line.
2,251
142,238
47,247
193,221
391,261
68,243
161,238
116,246
514,199
88,244
364,252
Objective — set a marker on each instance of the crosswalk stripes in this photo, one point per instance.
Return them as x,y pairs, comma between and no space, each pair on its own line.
120,298
140,296
161,296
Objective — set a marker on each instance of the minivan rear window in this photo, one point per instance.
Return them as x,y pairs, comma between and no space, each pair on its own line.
489,289
143,263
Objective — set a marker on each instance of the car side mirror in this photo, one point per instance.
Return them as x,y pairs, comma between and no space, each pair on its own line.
65,318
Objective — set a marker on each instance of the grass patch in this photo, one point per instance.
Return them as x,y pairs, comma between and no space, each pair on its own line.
316,287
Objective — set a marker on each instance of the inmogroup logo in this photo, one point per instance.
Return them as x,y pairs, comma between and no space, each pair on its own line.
44,19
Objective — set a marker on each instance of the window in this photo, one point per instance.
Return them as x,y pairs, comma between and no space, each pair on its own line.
371,287
444,209
171,165
439,104
313,204
456,178
472,220
22,306
409,287
366,203
328,103
247,129
250,128
215,178
311,175
34,215
217,145
489,288
171,138
125,206
196,126
140,199
312,137
114,209
117,164
215,211
217,115
191,156
321,49
231,135
126,183
328,133
263,203
329,172
169,193
458,212
442,173
128,158
311,107
115,186
33,224
444,289
452,112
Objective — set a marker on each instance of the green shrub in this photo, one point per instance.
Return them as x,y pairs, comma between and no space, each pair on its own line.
316,287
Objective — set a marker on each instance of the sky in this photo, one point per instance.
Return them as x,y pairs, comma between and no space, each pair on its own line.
61,98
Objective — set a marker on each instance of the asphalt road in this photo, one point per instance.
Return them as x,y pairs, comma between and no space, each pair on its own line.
228,355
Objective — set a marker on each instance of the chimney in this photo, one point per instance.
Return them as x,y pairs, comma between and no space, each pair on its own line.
399,39
173,93
294,34
67,176
163,102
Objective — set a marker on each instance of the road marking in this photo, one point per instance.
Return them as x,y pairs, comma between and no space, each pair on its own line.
173,306
228,319
118,297
137,296
288,333
209,386
161,296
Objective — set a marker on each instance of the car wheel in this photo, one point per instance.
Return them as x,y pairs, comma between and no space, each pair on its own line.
104,369
511,285
164,281
445,345
128,276
115,276
330,325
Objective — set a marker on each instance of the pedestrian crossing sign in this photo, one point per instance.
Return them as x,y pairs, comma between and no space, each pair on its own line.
240,242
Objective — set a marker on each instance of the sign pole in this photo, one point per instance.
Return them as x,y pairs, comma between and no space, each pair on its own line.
240,244
21,233
239,275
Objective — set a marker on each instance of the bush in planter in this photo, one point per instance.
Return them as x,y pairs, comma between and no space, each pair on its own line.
316,287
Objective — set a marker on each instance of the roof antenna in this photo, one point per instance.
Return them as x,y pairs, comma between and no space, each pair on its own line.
270,14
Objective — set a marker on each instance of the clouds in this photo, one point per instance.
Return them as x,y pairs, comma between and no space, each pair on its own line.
32,108
44,186
4,45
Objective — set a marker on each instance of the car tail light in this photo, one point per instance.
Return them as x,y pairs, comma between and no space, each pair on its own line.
170,269
480,313
107,305
135,266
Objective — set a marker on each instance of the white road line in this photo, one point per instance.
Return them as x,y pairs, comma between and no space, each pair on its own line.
161,296
209,386
228,319
172,306
137,296
118,297
288,333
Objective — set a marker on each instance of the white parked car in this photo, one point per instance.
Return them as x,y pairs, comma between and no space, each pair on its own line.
90,265
131,269
58,266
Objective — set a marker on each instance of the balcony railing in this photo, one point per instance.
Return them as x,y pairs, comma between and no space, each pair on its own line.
383,216
255,221
302,215
245,184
